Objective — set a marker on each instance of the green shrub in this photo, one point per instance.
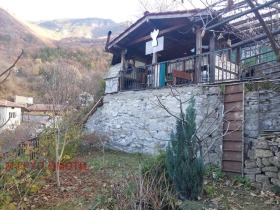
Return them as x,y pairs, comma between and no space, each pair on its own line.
185,168
214,172
242,180
210,191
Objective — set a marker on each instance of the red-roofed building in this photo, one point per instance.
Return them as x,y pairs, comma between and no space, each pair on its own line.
46,109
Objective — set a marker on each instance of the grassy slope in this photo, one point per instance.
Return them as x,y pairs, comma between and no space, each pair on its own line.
95,188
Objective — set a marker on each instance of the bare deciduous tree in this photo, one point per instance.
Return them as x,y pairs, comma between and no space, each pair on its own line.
3,77
6,73
59,84
157,5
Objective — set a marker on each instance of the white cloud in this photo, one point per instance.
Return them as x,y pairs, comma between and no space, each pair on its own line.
117,10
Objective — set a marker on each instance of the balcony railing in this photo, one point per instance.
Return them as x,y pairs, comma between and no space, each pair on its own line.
212,67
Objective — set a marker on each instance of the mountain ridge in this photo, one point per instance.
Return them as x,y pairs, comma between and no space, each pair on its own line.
91,27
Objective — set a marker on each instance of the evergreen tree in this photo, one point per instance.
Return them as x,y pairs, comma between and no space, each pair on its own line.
184,164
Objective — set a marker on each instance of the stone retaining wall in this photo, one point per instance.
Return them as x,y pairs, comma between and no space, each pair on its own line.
263,165
262,110
134,121
261,154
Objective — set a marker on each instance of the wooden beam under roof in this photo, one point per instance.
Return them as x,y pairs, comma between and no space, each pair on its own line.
265,15
257,28
245,30
233,17
162,32
274,44
256,38
152,16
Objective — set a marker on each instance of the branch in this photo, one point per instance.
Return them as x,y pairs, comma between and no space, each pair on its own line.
219,124
150,133
223,133
10,68
165,108
207,150
272,41
1,126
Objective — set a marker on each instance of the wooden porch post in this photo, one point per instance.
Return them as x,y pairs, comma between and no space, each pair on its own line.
198,50
212,59
155,57
123,64
238,57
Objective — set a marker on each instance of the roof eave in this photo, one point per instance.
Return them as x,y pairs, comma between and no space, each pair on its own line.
151,16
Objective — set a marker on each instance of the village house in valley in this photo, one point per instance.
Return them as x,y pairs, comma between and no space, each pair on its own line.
10,115
45,109
43,114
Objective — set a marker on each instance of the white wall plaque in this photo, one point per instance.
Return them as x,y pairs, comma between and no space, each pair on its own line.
150,49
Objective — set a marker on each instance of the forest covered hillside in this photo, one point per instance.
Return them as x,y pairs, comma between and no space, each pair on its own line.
83,54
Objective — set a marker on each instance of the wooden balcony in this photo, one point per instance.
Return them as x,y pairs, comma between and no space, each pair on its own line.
209,68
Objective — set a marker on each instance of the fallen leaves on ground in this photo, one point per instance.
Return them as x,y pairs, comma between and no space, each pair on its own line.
84,189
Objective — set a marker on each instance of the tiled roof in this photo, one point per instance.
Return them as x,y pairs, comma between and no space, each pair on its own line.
148,15
5,103
45,107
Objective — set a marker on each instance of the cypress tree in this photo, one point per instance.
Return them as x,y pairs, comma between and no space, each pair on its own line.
184,164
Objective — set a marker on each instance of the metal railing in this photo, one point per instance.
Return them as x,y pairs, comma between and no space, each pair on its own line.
259,61
30,147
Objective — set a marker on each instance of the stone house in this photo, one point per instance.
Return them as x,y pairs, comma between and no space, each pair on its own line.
211,56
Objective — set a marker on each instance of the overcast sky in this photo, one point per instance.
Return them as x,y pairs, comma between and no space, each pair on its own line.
118,10
34,10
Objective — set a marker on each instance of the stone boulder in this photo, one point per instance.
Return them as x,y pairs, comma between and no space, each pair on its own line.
259,163
263,153
270,169
271,174
262,178
266,162
250,164
275,181
252,170
262,145
275,161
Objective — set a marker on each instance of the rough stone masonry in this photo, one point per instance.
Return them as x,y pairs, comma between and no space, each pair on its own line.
263,165
262,138
134,121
